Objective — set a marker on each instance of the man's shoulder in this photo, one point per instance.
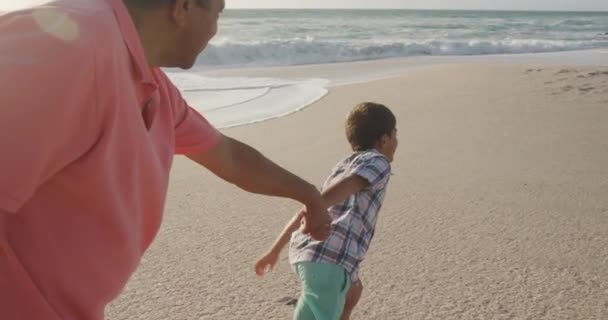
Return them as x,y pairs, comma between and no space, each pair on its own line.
63,29
96,21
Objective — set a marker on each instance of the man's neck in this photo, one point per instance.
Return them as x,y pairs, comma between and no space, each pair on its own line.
151,38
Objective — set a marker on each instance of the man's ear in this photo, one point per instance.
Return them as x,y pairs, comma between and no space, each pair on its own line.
179,12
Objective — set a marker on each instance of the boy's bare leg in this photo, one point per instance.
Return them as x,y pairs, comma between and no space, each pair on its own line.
352,298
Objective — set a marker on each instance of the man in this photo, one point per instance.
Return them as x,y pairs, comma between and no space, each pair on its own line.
89,125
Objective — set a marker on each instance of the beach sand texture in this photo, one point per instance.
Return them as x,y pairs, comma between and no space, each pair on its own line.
497,209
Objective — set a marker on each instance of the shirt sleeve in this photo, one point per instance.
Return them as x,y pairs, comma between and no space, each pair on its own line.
193,133
375,169
48,115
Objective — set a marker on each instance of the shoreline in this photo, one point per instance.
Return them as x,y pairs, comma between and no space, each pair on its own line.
291,89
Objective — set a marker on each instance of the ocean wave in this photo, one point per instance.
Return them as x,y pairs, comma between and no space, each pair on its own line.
575,23
311,51
228,102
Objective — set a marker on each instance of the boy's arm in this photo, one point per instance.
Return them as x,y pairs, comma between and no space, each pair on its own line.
285,235
332,195
270,258
343,189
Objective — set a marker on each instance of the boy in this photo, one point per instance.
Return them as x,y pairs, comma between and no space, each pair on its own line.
354,192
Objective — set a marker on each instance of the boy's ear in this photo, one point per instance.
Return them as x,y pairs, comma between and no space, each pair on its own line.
384,140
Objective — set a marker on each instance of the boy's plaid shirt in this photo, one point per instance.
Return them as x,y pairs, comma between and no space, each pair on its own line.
353,221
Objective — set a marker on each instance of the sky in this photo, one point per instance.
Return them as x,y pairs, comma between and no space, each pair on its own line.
553,5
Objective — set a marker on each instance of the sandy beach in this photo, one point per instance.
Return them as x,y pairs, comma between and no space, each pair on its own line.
498,207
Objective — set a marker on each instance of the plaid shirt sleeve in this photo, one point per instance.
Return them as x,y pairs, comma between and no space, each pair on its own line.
376,170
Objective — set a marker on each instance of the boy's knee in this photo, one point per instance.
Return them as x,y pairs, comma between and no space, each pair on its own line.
353,296
356,289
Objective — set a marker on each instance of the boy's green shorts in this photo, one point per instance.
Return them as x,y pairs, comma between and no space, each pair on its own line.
324,288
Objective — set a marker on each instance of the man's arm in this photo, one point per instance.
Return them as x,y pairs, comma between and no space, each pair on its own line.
251,171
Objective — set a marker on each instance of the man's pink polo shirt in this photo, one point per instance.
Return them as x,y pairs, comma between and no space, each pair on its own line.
87,136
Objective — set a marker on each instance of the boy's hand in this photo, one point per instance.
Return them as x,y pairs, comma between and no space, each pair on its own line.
266,263
316,222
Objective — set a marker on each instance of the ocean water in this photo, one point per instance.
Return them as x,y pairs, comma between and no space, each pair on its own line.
291,37
231,101
268,38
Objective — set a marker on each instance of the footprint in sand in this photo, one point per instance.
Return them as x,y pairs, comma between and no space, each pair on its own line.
567,88
533,70
562,71
288,301
586,88
597,73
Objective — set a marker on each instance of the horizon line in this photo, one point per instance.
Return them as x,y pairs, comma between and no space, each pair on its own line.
420,9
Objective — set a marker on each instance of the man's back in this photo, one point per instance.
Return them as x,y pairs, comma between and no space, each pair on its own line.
88,133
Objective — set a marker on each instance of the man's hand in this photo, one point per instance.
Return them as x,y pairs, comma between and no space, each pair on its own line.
316,221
